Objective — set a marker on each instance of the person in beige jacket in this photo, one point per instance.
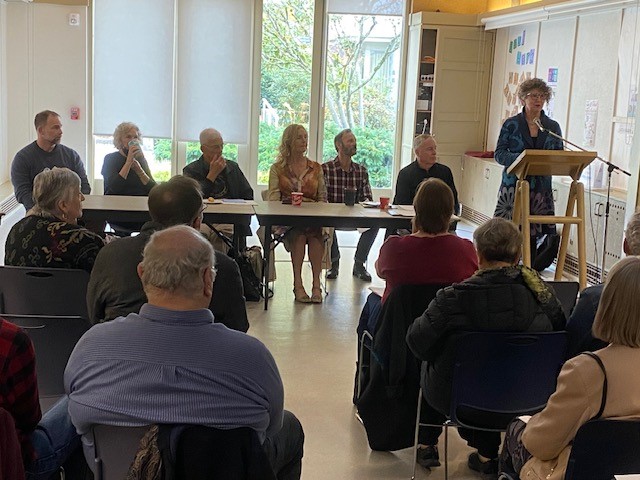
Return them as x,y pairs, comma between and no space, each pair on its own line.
541,449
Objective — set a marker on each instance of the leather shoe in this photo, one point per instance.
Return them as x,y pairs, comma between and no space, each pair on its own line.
361,272
332,274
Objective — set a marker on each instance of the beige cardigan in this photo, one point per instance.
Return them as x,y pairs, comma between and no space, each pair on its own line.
577,399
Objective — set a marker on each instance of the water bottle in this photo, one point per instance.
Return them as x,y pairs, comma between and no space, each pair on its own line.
139,155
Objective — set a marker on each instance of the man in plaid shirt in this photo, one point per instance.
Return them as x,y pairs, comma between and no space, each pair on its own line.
339,174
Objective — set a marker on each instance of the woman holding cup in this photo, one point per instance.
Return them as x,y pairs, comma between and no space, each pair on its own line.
293,174
126,171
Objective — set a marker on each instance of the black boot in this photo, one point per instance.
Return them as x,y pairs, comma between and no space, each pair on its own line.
332,274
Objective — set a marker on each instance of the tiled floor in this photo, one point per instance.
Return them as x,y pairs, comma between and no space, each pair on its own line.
315,348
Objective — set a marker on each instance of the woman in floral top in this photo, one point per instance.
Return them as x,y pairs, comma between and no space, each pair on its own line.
49,236
294,172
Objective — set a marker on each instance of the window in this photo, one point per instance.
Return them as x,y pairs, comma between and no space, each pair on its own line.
173,67
361,89
361,78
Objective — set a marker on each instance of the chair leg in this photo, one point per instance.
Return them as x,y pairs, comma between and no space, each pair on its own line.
446,451
365,335
415,435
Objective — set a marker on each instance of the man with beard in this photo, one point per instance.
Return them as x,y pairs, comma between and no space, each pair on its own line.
340,174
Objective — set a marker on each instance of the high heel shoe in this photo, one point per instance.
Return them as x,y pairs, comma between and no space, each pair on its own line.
316,295
301,295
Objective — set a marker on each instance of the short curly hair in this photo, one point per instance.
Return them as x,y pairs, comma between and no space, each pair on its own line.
533,84
120,132
498,240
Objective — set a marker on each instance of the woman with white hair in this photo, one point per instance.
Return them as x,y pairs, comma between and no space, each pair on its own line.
126,172
49,236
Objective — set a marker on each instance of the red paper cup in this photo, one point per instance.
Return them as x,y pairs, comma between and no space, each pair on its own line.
296,198
384,203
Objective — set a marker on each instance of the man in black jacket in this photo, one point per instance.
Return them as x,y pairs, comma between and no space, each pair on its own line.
114,288
501,296
219,178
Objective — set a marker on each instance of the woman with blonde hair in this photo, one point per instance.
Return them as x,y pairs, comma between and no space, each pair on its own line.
603,384
49,236
295,172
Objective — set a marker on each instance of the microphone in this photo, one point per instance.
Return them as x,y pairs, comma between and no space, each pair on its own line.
539,124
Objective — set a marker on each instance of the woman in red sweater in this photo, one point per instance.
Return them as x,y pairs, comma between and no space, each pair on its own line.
430,255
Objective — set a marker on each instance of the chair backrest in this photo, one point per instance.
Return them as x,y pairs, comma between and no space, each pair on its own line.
196,452
604,448
53,340
115,449
498,376
567,293
43,291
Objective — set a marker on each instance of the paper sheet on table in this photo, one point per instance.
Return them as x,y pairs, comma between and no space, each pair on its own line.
239,201
627,477
229,201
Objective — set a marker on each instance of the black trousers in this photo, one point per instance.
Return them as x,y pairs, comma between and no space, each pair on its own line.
362,250
285,449
487,443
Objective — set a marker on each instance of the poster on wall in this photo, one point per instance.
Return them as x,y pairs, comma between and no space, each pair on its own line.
521,63
552,82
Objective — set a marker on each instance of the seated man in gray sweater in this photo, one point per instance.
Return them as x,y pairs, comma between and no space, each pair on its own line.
171,364
114,287
45,152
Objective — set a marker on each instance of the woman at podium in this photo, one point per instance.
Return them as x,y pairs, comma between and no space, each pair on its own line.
522,132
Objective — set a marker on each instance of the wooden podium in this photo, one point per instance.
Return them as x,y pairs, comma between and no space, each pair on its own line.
549,163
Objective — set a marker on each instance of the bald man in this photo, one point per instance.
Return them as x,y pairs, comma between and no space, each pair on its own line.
219,178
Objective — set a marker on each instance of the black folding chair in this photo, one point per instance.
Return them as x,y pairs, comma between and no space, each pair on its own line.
499,376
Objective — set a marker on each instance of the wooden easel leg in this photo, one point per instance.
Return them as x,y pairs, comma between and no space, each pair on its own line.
525,206
582,249
566,232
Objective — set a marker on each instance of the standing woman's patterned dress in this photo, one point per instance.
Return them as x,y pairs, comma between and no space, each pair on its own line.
514,138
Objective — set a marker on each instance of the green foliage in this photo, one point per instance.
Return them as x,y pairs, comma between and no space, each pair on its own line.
375,151
162,149
268,143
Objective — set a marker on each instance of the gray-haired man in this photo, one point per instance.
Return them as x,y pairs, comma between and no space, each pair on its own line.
171,364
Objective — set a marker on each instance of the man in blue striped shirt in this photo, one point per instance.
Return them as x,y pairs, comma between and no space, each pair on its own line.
171,364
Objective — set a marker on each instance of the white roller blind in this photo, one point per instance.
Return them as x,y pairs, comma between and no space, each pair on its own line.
214,68
366,7
133,65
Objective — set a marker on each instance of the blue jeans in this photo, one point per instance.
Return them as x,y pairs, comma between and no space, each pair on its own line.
54,440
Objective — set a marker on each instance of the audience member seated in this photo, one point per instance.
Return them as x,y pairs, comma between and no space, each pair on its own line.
219,178
45,152
114,288
49,236
501,296
294,172
539,446
171,364
126,172
430,255
46,442
425,166
580,323
341,174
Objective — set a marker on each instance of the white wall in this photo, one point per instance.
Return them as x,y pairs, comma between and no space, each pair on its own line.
46,66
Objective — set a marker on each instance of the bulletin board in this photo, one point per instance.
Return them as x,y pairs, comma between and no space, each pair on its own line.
521,57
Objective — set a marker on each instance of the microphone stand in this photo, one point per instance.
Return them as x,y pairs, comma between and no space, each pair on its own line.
610,169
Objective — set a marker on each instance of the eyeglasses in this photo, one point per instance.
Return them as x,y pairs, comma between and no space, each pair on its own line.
215,146
536,96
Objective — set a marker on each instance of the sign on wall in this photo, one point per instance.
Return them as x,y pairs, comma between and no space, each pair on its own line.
520,66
